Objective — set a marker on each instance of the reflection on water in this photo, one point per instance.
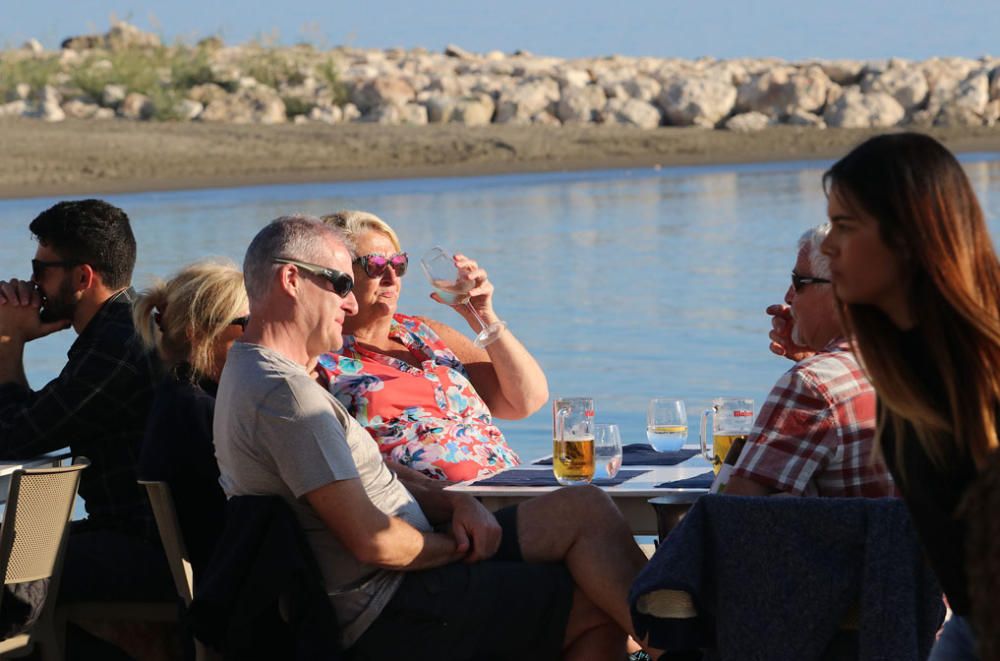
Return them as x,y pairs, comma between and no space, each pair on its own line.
624,284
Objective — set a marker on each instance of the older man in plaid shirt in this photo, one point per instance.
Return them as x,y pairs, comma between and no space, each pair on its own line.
815,433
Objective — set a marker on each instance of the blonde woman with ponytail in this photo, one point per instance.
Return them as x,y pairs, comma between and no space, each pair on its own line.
914,269
191,320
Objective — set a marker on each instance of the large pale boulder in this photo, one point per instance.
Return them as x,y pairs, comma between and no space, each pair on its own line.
780,91
643,88
991,115
327,114
33,46
856,110
112,95
698,101
474,110
440,108
968,105
905,82
382,91
50,111
136,106
387,114
749,121
843,72
206,93
447,84
79,109
573,78
546,118
580,105
451,50
19,91
14,108
637,112
123,36
803,118
188,109
260,105
414,114
518,104
351,112
995,83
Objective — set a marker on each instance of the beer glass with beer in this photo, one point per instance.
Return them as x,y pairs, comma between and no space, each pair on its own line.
732,418
666,424
573,440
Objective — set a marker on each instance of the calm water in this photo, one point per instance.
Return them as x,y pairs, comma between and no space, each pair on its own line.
625,285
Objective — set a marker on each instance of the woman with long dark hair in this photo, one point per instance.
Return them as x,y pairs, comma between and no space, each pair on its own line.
914,268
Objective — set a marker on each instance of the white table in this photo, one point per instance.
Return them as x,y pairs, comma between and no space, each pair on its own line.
631,496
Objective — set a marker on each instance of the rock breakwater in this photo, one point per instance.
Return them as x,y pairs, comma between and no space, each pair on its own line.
128,74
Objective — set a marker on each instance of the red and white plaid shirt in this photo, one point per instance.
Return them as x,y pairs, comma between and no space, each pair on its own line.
815,433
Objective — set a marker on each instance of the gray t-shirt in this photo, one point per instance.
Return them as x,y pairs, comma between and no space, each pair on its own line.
278,432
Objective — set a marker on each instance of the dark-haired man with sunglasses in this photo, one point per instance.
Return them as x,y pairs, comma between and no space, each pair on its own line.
815,433
98,404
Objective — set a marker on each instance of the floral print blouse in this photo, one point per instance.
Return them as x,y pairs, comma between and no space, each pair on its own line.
429,418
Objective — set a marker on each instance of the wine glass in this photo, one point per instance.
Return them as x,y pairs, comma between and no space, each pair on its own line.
607,450
440,268
666,424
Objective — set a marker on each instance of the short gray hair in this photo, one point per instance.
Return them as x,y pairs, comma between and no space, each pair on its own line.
297,237
810,242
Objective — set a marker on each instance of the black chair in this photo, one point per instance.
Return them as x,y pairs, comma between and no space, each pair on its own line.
790,578
262,595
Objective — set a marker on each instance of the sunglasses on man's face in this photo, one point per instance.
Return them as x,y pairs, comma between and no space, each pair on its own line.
375,265
800,281
38,267
342,283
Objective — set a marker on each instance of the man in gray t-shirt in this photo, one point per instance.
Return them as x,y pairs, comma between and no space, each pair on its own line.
544,578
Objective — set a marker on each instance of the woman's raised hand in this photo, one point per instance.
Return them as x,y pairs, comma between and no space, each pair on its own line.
480,290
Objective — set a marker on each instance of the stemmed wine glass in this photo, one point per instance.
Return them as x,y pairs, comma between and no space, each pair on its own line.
440,268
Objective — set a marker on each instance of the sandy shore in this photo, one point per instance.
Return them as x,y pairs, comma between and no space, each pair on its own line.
100,157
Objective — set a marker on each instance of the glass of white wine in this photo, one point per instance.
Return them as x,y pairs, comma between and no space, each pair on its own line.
439,265
666,424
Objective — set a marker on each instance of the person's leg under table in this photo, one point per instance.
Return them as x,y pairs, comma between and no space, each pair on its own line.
582,527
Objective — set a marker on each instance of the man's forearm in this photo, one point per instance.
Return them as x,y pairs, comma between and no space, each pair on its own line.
12,361
436,503
400,546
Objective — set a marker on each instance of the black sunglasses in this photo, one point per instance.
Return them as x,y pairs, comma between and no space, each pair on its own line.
38,266
375,265
241,321
342,283
800,281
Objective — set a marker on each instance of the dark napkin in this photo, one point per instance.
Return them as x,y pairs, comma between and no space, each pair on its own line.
703,481
527,477
641,454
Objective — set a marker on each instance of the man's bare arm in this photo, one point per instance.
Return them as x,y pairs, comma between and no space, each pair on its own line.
374,537
473,527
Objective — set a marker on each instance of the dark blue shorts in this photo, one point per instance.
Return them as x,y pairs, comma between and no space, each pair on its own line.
503,608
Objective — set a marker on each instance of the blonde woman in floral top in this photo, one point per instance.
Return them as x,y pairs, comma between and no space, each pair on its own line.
421,388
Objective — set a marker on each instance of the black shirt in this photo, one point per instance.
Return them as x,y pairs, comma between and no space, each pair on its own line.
97,406
178,450
932,494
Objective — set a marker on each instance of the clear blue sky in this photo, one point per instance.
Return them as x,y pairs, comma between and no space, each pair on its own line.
791,29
